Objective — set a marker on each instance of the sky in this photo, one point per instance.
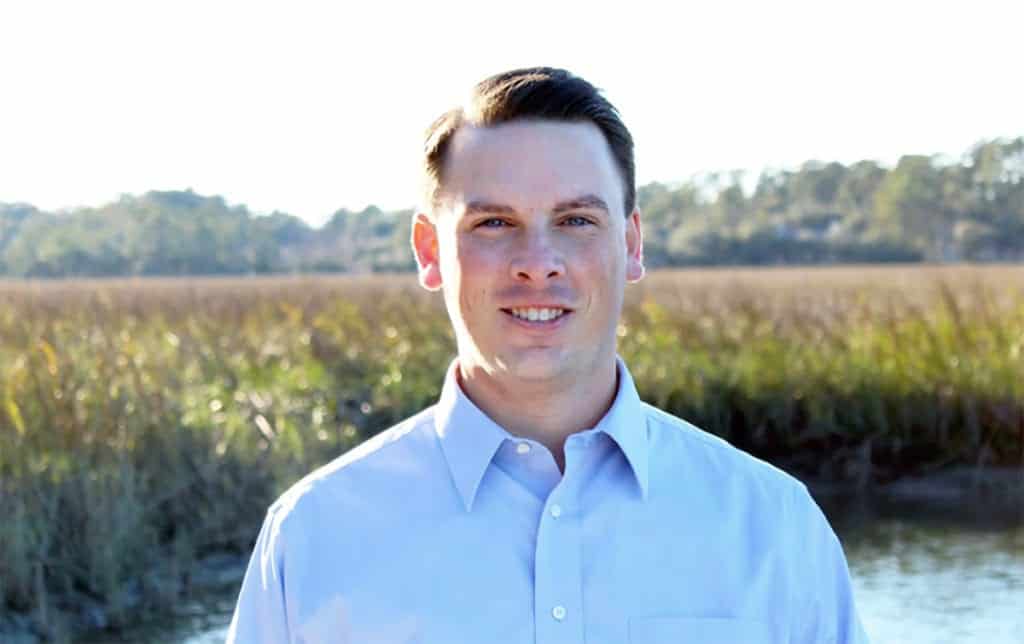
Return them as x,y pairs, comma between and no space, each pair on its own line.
307,107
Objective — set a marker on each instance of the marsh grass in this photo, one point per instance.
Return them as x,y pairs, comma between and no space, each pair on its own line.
146,424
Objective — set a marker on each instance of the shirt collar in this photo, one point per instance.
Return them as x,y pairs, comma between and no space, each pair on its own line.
469,438
626,423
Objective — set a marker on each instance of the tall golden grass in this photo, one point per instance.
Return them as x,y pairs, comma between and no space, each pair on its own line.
147,423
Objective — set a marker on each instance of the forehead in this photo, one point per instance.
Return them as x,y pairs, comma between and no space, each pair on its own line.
530,164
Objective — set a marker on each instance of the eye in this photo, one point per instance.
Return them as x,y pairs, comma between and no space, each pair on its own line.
493,222
576,220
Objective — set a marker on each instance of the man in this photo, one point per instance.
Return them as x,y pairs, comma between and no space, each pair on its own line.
540,500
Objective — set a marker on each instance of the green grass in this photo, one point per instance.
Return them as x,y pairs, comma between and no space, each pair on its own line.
144,424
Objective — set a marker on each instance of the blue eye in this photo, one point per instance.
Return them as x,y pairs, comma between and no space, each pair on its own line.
576,221
493,222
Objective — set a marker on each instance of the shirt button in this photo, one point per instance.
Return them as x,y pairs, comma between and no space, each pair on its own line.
556,510
558,612
523,448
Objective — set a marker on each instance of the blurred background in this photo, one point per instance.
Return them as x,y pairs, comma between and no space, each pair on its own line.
206,287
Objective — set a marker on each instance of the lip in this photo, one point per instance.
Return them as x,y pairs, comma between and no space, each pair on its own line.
544,326
535,305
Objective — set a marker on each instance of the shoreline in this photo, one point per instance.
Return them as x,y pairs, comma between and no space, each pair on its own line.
953,484
961,492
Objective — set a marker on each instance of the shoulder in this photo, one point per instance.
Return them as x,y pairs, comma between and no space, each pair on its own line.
707,476
676,444
379,466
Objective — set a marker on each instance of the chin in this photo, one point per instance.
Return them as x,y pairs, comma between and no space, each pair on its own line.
539,364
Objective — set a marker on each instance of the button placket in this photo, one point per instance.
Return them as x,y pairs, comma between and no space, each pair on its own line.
558,566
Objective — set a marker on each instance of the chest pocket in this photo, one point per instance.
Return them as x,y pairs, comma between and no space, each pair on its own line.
699,630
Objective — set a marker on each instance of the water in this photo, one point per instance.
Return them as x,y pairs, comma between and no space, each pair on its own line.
936,588
930,573
923,573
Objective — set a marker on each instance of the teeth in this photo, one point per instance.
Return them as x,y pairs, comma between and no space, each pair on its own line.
534,315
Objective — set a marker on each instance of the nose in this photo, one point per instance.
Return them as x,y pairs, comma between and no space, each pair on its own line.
536,259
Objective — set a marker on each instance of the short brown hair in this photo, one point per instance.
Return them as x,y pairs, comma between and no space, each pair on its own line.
531,93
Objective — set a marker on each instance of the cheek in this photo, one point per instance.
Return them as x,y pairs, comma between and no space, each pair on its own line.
471,253
473,257
603,271
473,270
602,261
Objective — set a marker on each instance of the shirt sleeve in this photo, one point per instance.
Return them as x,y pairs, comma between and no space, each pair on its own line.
261,614
825,593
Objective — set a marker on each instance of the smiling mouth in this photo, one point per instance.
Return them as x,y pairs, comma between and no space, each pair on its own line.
531,314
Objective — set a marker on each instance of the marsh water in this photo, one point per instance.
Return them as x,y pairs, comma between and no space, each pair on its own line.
924,572
928,572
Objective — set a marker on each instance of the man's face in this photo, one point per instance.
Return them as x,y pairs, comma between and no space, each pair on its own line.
531,248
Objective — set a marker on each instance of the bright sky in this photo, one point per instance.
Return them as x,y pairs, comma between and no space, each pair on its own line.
308,107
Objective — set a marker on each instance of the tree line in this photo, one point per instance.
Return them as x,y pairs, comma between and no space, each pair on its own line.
923,209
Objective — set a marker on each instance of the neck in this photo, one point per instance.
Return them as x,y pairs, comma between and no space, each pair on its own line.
545,411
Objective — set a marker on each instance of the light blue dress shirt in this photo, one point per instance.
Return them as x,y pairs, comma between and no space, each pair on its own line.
447,529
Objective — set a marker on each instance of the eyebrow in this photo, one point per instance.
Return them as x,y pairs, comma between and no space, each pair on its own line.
583,202
488,208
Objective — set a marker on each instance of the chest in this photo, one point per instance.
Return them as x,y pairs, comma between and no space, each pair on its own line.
556,570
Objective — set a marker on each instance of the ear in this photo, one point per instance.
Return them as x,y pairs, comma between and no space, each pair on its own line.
424,246
634,248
